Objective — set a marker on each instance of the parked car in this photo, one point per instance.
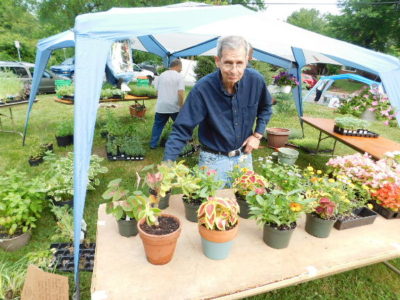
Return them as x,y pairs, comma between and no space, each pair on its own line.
150,66
309,80
25,71
66,68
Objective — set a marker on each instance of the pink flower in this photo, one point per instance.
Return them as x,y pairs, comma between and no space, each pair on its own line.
259,191
386,123
371,109
375,103
211,172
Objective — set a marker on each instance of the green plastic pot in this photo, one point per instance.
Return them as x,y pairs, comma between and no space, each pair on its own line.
275,238
287,156
318,227
127,228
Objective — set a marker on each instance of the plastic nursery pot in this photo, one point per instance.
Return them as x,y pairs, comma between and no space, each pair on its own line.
35,162
159,249
164,201
276,238
191,211
287,156
318,227
277,137
64,141
217,244
16,242
127,228
244,206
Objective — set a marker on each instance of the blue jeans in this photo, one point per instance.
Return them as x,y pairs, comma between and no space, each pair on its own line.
159,122
224,164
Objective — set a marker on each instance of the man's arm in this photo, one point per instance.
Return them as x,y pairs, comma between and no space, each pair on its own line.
181,97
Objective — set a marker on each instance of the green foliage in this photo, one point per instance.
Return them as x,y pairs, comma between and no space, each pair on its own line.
349,122
309,19
372,26
142,91
65,224
205,65
125,205
12,278
265,69
284,103
21,202
65,128
65,90
10,85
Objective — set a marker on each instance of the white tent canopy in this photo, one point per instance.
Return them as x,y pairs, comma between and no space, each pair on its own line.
183,31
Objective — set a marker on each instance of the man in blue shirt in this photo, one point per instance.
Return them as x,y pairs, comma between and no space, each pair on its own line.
225,104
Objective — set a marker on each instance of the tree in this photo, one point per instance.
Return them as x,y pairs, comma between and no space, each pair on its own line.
373,24
309,19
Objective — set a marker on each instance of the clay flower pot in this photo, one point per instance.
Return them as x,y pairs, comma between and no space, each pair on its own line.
159,249
277,137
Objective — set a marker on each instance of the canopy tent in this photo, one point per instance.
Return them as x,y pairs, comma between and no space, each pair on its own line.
184,31
325,82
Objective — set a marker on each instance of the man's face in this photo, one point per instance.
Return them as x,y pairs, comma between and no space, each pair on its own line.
232,65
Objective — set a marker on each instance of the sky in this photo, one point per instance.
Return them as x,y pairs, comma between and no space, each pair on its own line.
286,7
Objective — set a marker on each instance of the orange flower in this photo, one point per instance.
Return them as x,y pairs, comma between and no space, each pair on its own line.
295,206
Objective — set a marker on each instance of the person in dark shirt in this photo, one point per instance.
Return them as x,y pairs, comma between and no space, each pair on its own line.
225,104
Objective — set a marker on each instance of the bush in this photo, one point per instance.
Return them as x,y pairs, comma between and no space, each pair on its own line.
205,65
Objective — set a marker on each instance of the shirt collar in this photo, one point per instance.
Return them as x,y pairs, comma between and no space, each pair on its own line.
219,75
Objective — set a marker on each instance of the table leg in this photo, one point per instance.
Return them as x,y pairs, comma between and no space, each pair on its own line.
319,141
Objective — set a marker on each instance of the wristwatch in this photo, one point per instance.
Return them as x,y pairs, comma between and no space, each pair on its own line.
257,135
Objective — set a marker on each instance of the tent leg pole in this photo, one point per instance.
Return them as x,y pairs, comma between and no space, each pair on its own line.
391,267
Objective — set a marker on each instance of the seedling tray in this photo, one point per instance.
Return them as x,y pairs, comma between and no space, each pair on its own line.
362,216
356,132
124,157
64,257
385,212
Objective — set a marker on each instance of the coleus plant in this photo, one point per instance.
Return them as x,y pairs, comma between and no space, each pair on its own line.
325,209
218,213
250,181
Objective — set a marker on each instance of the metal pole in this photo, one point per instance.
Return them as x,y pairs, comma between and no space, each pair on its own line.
19,54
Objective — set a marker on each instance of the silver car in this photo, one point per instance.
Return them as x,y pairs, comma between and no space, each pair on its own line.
25,71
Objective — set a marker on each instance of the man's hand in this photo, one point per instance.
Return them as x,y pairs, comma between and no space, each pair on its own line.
251,143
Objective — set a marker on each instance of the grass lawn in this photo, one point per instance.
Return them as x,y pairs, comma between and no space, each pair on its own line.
372,282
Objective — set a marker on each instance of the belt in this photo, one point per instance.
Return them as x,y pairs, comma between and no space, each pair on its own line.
232,153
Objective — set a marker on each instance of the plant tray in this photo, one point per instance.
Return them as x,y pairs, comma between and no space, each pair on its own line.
385,212
64,257
124,157
357,132
361,216
194,149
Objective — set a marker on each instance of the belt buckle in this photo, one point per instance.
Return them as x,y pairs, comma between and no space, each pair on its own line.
234,153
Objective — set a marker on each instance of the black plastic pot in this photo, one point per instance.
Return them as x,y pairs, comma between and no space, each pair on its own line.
191,211
35,162
244,206
385,212
64,141
127,228
64,257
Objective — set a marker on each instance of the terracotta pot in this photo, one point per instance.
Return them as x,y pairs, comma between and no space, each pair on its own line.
159,249
137,113
277,137
218,236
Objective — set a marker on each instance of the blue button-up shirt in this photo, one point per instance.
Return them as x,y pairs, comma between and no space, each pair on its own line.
225,120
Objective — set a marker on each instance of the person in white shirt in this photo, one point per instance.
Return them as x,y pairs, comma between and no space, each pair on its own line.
171,93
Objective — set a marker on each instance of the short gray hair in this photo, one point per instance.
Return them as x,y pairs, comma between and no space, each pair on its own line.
175,63
231,42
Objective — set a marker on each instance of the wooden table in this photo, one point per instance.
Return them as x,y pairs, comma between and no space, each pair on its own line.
376,147
121,271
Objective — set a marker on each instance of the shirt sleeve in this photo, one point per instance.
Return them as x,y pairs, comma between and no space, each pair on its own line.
264,110
191,114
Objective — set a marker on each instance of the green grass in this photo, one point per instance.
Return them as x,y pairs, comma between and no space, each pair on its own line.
372,282
346,85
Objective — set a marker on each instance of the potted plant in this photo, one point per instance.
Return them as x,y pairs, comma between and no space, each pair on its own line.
137,110
218,225
159,233
22,201
37,151
278,212
382,175
126,207
245,181
286,81
320,222
197,186
10,86
349,125
65,92
65,133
